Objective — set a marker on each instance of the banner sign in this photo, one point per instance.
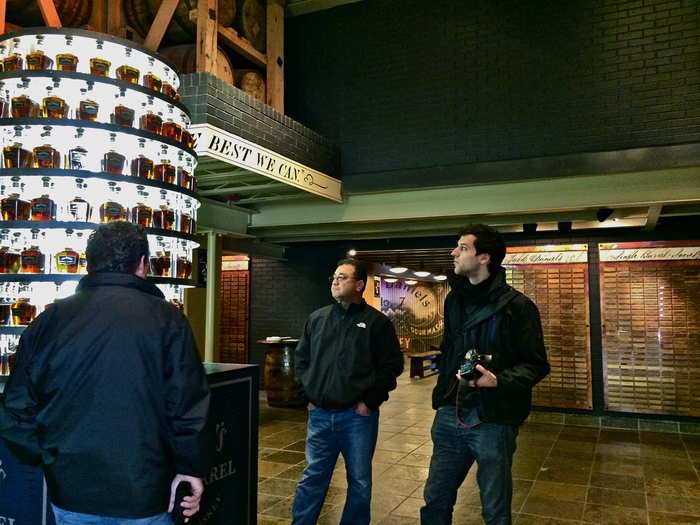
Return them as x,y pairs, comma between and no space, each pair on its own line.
649,254
219,144
553,257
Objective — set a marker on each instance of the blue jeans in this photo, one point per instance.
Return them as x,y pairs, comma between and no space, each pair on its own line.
329,433
66,517
455,449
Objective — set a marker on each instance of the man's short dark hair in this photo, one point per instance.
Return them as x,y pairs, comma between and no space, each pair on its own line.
116,247
488,240
360,272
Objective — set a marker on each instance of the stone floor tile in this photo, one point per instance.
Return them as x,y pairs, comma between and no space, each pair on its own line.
614,515
286,456
269,469
662,518
559,491
617,498
410,508
553,508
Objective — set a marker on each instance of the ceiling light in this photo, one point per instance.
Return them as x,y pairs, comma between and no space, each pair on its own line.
397,268
390,279
440,277
422,272
352,252
410,282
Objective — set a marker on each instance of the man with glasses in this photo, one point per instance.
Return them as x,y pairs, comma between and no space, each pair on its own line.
347,362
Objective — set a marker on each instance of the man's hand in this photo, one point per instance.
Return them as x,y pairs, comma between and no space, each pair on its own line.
487,379
362,409
189,503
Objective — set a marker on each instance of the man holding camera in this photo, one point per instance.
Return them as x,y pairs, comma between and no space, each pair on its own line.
492,356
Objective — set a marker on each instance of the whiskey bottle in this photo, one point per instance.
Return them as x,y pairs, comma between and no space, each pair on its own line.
128,74
32,260
23,312
5,315
165,172
82,264
12,63
152,82
113,162
172,130
164,218
54,107
77,158
46,157
42,209
185,223
183,268
67,261
79,210
38,60
66,62
9,260
151,122
99,67
184,178
87,110
112,211
168,90
14,209
142,167
16,157
123,116
187,139
142,215
160,264
22,107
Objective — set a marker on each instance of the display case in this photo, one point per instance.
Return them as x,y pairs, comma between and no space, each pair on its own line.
92,131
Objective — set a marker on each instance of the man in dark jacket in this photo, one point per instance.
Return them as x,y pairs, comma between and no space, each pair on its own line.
347,361
478,413
108,394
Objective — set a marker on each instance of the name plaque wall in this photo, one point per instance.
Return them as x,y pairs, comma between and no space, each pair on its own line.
564,254
614,253
219,144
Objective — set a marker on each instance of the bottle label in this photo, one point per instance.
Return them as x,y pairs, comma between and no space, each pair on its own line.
67,260
77,159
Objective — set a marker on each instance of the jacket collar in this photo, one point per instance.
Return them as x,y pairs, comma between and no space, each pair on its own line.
119,279
353,308
500,294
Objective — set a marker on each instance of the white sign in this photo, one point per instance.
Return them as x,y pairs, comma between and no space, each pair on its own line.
650,254
227,147
568,257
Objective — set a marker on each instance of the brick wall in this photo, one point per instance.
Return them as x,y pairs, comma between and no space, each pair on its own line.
441,84
213,101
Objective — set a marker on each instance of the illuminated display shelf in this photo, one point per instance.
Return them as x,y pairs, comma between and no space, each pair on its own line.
101,143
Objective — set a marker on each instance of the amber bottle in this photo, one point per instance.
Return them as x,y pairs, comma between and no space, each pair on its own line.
165,172
32,260
99,67
22,107
23,312
187,139
14,209
54,107
128,74
88,110
112,211
113,162
38,60
46,157
16,157
152,82
67,261
172,130
123,116
43,209
151,122
183,268
12,63
5,314
142,215
168,90
185,223
66,62
184,178
160,264
9,260
142,167
164,218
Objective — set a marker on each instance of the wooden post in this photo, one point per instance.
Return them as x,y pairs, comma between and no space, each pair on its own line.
3,8
275,54
160,24
98,17
207,31
49,13
115,18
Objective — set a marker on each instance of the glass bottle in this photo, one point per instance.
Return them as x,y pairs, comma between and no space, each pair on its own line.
12,63
172,130
42,209
16,157
128,74
113,162
100,67
4,106
82,264
46,157
168,90
142,167
183,268
165,172
152,82
38,60
187,139
160,264
151,122
66,62
23,312
77,158
87,110
184,178
32,260
79,210
164,218
14,209
123,116
22,107
185,223
9,260
67,261
142,215
54,107
112,211
5,314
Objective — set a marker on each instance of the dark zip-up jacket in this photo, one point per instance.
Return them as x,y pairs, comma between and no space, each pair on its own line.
109,397
344,357
506,325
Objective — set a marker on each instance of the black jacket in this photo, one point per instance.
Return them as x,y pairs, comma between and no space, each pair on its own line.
506,325
344,357
109,396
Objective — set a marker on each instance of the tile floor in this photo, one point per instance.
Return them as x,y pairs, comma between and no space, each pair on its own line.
563,474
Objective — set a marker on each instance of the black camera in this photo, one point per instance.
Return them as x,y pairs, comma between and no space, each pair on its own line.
472,358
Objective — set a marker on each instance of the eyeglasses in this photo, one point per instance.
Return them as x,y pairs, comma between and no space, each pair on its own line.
339,277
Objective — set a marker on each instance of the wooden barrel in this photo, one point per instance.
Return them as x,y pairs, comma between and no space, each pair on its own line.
252,82
183,26
73,13
185,59
251,22
280,380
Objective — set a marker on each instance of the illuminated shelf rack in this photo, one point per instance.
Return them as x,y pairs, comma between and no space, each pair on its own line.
92,131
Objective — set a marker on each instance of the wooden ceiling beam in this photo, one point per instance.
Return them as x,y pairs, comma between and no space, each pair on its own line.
160,24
